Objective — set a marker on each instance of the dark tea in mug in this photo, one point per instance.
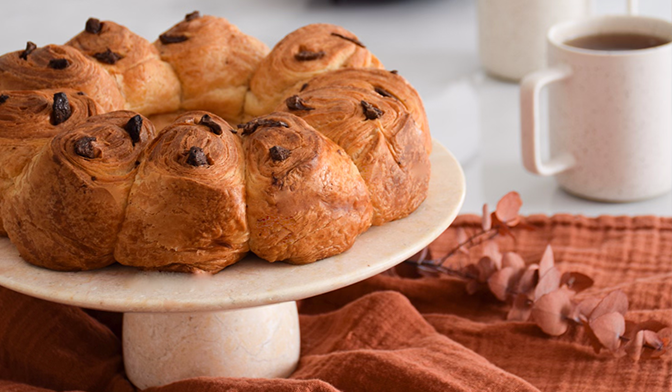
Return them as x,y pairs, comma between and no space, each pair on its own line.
616,41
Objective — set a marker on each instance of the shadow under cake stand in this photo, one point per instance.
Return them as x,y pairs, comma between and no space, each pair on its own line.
243,321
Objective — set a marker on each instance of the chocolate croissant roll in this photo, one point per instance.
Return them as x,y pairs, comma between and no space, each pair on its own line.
186,211
56,67
66,209
387,84
28,119
305,199
148,84
380,136
214,61
301,55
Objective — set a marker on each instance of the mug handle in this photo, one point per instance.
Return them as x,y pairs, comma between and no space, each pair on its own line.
530,87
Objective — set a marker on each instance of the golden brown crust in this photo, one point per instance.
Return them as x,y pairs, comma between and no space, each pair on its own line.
27,122
56,66
306,200
387,84
214,62
163,120
148,84
301,55
381,138
186,210
66,208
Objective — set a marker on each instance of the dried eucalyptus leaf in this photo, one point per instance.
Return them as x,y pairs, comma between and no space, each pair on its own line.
633,348
486,221
576,281
521,308
608,328
585,308
550,312
548,282
500,282
547,261
651,338
529,280
491,249
665,336
508,207
513,260
486,267
616,301
594,341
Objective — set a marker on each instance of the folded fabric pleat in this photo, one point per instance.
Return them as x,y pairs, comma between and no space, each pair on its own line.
58,347
381,343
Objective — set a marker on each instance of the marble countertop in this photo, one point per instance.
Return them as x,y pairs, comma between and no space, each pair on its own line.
433,43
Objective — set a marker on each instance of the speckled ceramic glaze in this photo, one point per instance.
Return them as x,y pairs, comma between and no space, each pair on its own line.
242,321
512,33
610,112
160,348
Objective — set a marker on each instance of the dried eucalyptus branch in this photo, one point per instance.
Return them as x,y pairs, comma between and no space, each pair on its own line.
539,293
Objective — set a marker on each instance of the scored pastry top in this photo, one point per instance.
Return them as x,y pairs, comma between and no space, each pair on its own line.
42,113
214,61
306,199
302,54
58,66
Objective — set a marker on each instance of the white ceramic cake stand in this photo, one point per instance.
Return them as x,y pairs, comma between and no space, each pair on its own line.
243,321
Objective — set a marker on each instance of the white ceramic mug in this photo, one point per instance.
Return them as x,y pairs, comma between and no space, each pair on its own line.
512,33
610,112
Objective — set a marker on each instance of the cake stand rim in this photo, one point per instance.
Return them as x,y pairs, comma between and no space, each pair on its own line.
124,289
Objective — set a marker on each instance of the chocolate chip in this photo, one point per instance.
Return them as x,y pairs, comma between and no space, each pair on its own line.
60,110
93,26
3,98
307,55
108,57
297,103
94,178
353,40
252,126
279,154
210,123
305,86
192,16
197,157
30,47
58,63
133,127
84,147
80,93
371,112
394,71
383,92
167,39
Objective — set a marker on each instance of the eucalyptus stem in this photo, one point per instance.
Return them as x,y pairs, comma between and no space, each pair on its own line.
470,242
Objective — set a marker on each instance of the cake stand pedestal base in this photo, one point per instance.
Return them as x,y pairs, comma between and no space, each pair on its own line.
160,348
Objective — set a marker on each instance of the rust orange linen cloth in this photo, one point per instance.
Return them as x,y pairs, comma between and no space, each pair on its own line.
391,333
